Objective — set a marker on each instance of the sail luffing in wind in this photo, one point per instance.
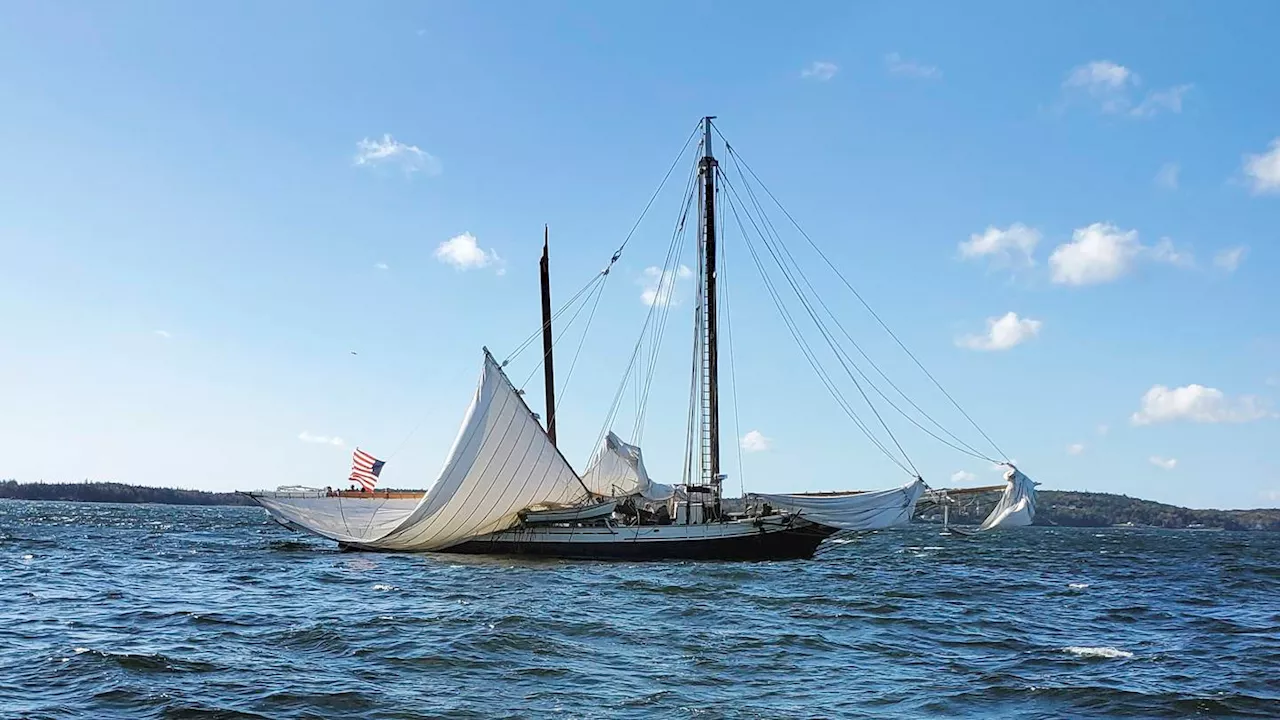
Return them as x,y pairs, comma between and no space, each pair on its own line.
501,462
1016,506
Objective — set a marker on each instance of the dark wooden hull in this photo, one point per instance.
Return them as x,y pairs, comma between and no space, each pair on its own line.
793,543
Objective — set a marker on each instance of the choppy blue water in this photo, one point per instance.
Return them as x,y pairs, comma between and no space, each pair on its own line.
179,612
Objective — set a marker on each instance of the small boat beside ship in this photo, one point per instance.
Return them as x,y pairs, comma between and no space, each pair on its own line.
506,488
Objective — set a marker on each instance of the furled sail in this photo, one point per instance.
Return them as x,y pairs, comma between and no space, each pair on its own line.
1017,506
501,463
855,511
617,470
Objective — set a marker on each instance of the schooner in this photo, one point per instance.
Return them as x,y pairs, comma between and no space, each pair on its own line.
506,488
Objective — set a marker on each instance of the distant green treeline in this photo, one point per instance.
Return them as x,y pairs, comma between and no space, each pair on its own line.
1055,507
1089,509
115,493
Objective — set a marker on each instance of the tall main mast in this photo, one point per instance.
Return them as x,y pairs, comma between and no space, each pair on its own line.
707,168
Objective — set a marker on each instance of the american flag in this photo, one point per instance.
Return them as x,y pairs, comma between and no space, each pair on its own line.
365,469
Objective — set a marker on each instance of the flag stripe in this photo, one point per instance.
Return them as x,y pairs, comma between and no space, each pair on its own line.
365,469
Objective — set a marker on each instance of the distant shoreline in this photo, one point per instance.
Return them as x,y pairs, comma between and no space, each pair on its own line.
1055,507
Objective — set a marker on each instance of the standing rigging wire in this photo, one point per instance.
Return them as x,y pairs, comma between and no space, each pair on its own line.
804,302
597,292
569,376
807,351
865,304
670,274
723,280
649,319
618,253
569,303
963,446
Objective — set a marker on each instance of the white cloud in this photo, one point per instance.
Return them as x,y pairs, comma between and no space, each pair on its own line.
464,252
1158,100
1196,403
389,151
1167,176
1113,87
820,70
1075,448
660,286
1104,429
755,441
1264,169
1100,76
380,266
961,477
1010,247
1165,252
1098,253
307,437
1002,333
1272,382
1103,82
1230,258
1166,463
1102,253
1270,495
910,68
162,333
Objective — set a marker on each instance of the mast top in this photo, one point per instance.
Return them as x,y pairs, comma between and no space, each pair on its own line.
706,136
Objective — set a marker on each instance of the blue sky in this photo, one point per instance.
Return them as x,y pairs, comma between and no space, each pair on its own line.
204,210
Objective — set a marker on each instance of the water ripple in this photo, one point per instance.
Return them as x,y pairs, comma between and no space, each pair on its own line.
167,612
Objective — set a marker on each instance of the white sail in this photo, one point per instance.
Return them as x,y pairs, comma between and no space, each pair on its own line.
1017,506
855,511
348,519
501,463
617,470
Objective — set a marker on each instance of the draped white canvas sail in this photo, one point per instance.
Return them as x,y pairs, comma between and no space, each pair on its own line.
1017,506
618,471
501,463
855,511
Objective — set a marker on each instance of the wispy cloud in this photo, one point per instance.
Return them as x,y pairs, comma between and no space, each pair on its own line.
1167,176
898,65
1166,252
961,477
660,285
464,252
1114,89
381,266
389,151
1230,259
1162,462
820,70
163,333
1162,100
1197,403
755,441
1075,449
307,437
1263,169
1104,429
1011,247
1002,333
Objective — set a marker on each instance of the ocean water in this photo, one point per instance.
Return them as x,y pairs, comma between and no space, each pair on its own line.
132,611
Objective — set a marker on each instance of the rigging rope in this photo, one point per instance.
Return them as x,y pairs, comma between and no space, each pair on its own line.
807,351
804,302
723,280
738,159
962,447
